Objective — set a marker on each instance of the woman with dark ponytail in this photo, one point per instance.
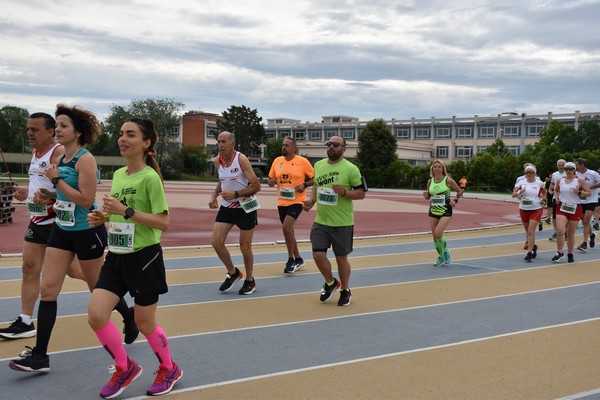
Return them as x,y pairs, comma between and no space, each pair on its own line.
137,213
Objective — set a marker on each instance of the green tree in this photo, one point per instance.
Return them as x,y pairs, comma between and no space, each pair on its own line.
498,149
247,127
273,151
376,152
165,113
195,160
13,129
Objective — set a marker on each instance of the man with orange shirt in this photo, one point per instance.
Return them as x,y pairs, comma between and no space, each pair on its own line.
292,174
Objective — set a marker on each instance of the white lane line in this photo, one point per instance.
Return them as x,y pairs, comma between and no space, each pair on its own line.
580,395
379,357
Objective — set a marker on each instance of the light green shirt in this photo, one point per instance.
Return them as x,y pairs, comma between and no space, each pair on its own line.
326,175
142,191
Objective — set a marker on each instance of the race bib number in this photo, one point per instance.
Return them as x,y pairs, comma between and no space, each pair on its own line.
36,210
250,204
527,201
327,196
568,208
65,212
438,200
120,237
287,193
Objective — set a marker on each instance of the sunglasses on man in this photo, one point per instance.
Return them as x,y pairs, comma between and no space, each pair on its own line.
334,144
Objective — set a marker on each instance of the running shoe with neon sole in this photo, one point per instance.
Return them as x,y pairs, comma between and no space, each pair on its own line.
120,379
230,280
447,258
165,380
329,290
18,329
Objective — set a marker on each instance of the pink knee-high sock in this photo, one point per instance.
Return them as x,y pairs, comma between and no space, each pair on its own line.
159,342
110,339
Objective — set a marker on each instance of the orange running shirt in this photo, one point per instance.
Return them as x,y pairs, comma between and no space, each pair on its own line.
288,175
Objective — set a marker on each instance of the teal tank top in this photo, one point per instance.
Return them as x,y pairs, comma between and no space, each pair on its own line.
70,216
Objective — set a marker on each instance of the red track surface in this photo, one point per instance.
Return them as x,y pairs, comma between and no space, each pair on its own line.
380,213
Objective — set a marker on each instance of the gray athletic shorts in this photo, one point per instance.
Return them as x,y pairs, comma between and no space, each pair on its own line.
340,238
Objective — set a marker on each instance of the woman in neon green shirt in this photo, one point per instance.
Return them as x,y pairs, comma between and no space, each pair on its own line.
137,214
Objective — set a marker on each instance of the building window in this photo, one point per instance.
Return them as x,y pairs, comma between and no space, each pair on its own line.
330,132
442,133
510,131
464,132
213,133
515,150
284,133
441,152
487,131
402,133
422,133
534,130
481,149
299,135
348,134
314,134
174,130
463,151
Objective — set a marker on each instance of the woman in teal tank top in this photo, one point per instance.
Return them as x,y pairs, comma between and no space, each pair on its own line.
439,188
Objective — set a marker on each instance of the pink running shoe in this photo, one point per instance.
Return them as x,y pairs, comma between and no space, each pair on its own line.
165,380
120,380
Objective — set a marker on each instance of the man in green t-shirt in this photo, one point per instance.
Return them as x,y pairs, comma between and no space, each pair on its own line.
337,183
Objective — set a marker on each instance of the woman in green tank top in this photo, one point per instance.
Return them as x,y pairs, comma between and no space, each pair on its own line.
439,188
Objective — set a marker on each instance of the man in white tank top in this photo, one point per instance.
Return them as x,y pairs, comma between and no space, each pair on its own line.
40,132
237,186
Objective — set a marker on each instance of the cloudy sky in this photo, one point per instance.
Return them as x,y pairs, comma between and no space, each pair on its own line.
304,59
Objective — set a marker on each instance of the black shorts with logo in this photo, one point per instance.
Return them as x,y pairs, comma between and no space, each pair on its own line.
88,244
38,234
141,273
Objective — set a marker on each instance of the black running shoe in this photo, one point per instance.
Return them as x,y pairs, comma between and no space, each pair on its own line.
248,287
558,256
592,240
31,362
345,296
230,280
596,226
570,258
529,256
540,226
583,247
18,329
534,252
328,290
289,266
130,329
